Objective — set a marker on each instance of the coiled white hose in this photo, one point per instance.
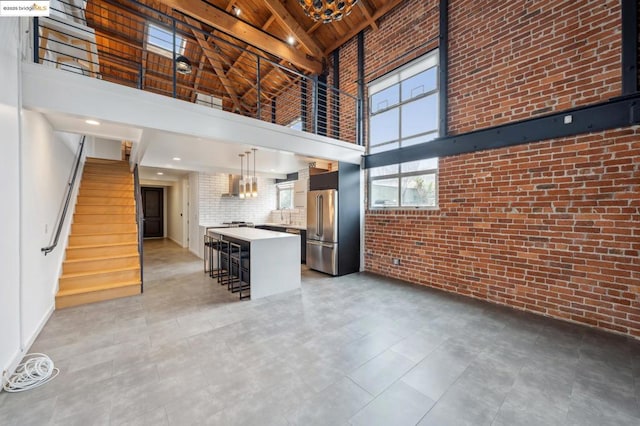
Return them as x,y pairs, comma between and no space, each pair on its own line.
34,370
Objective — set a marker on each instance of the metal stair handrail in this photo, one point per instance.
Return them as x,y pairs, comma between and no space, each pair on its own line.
139,222
71,184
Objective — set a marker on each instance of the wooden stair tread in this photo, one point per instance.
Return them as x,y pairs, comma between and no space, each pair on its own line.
102,271
71,292
106,257
85,246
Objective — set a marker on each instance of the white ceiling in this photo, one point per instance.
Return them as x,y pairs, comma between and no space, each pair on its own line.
196,154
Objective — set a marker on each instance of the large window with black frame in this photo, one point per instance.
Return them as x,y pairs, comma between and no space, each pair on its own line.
403,111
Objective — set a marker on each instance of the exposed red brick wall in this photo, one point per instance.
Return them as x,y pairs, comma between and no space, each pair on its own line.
348,83
550,227
527,58
288,105
409,31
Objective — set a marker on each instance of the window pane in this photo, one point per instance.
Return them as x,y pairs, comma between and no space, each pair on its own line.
384,193
384,170
420,116
385,147
384,127
285,198
385,99
420,139
419,84
162,38
416,166
419,191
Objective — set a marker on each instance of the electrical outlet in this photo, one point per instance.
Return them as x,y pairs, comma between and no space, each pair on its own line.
395,261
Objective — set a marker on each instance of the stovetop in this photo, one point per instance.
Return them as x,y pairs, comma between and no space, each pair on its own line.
238,223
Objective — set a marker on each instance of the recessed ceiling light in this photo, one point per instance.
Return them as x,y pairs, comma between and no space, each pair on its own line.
273,170
291,40
177,158
92,122
236,10
159,173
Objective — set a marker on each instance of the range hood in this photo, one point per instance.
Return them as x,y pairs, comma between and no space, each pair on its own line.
234,186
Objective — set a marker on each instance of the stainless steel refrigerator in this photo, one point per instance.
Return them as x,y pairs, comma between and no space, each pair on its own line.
322,231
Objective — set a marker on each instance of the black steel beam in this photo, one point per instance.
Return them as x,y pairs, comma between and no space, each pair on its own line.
616,113
322,105
443,67
360,115
629,47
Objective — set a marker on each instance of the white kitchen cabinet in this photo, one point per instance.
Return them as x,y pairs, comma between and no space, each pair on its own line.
300,194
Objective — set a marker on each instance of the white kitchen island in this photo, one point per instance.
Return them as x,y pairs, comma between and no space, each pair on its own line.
274,258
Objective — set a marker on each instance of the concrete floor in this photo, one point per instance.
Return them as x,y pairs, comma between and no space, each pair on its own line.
359,349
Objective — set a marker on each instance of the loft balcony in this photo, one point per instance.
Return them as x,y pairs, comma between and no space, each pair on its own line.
158,50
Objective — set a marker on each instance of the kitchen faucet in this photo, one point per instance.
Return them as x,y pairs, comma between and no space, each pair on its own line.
282,216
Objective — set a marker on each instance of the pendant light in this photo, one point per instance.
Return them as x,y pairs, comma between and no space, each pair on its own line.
254,183
241,191
247,180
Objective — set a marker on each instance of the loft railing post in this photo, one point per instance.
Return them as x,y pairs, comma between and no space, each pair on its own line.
173,60
259,90
314,112
140,76
36,40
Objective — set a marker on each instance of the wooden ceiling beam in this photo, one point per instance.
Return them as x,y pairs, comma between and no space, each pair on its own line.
196,82
379,13
215,61
314,27
289,23
368,13
265,77
248,48
239,29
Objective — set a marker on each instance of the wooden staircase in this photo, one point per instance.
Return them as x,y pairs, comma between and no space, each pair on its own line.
102,260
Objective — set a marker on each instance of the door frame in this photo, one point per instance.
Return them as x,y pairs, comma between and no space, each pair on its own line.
164,209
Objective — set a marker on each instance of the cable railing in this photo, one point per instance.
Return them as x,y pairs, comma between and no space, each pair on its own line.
70,186
143,48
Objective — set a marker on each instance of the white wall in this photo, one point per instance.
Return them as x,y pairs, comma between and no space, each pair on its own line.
35,166
175,214
47,165
194,214
106,148
9,213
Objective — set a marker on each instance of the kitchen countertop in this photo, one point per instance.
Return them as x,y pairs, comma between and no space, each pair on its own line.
284,225
214,225
252,234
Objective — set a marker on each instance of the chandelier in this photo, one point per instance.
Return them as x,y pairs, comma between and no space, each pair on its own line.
327,10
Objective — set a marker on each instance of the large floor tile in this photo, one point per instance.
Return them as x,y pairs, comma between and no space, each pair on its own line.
359,349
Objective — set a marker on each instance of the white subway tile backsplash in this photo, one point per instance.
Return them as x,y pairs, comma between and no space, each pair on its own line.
216,209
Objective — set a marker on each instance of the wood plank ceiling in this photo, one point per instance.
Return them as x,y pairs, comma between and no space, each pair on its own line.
221,46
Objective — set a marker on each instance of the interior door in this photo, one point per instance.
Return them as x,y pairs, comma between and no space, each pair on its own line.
152,207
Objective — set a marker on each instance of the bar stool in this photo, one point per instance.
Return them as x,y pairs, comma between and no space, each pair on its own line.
224,275
239,268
